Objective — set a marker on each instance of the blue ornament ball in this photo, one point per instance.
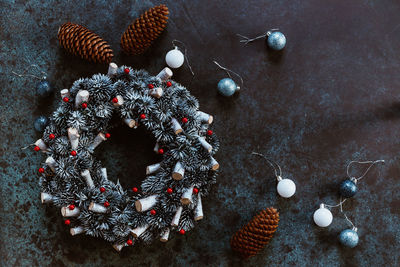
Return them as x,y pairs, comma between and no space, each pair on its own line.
41,123
227,87
347,188
348,238
43,88
276,41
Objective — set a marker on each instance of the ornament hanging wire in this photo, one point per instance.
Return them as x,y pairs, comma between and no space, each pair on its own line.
337,205
228,71
345,216
31,75
28,146
273,164
247,40
184,53
372,163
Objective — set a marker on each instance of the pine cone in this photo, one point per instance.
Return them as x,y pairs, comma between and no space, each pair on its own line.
144,30
249,240
82,42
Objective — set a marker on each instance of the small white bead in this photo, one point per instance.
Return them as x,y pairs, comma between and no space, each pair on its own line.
323,217
174,58
286,188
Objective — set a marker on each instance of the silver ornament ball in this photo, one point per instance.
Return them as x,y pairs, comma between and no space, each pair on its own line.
348,238
227,87
347,188
41,123
276,40
43,88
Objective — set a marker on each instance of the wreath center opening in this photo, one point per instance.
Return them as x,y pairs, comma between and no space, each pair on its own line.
126,155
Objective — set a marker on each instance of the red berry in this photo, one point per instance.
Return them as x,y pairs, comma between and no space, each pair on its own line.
67,222
115,100
71,207
134,189
184,120
102,189
129,242
41,170
150,86
107,135
195,190
36,148
52,136
66,99
126,70
169,84
153,212
143,116
209,132
161,151
106,204
182,231
84,105
169,190
73,153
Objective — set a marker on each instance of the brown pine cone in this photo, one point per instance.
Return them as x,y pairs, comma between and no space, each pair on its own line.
82,42
249,240
144,30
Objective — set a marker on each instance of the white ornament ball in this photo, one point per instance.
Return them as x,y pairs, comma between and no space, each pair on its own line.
323,217
286,188
174,59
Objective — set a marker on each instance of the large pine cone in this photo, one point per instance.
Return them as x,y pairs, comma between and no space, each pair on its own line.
82,42
144,30
249,240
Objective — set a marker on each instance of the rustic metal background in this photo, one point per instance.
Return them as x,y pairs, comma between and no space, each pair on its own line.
329,97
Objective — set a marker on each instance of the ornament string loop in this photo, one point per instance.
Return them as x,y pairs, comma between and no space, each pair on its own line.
273,164
247,40
372,163
184,54
228,71
31,75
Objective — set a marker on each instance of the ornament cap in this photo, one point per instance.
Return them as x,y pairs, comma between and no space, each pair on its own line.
354,180
269,32
279,178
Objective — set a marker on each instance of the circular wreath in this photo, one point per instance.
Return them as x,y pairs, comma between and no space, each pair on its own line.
170,197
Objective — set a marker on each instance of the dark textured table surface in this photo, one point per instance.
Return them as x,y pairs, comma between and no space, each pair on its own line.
331,96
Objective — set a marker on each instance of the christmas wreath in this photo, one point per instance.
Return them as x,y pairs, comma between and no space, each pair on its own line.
170,197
